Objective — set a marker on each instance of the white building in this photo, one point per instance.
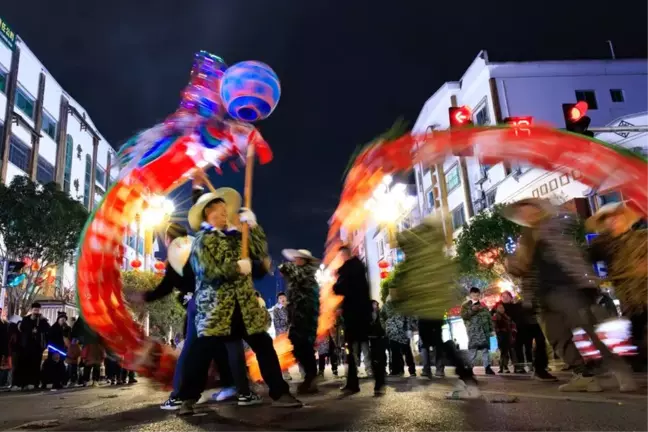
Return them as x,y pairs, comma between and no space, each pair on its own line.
49,136
613,89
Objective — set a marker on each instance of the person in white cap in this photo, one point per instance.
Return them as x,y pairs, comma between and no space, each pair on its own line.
303,311
558,279
623,248
226,304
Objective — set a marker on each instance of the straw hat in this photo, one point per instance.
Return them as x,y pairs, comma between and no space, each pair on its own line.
230,196
291,254
596,222
512,213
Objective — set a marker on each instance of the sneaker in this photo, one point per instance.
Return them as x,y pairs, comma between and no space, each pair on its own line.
489,371
426,374
95,384
580,383
544,376
187,408
287,401
519,370
15,388
132,381
171,404
412,374
249,399
287,376
225,394
464,391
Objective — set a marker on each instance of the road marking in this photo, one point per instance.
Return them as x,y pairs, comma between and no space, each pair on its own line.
629,398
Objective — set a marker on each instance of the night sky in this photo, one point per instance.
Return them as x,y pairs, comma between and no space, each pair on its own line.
348,69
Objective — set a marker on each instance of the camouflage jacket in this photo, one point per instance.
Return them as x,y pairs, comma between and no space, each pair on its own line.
303,301
479,325
214,256
396,325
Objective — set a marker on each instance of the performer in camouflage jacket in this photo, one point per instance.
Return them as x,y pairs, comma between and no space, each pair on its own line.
226,303
303,311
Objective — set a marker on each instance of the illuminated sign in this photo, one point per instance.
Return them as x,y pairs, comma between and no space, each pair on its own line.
7,35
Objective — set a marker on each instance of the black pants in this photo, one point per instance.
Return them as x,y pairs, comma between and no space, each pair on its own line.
506,349
398,350
377,354
73,373
333,358
29,367
95,370
527,334
305,355
204,349
113,370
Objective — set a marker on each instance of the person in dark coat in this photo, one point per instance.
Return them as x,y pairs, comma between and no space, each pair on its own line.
60,332
352,284
33,341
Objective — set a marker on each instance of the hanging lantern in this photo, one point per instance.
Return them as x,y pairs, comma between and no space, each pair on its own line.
35,266
159,266
136,263
384,274
383,265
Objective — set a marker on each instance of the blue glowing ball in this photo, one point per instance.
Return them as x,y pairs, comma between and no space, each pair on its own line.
250,91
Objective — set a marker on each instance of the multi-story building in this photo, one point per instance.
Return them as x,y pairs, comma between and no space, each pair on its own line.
615,91
48,136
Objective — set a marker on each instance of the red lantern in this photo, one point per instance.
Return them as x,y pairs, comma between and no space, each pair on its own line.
35,266
159,266
384,274
136,263
382,264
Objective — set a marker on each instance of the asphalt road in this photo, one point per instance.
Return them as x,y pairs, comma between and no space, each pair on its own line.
510,403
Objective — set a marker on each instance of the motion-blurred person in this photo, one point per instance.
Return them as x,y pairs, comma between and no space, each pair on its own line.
303,311
72,361
53,371
397,328
560,281
623,247
280,321
506,332
356,314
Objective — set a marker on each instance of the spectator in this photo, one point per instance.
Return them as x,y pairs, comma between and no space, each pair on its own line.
72,360
53,371
93,355
479,326
33,341
505,330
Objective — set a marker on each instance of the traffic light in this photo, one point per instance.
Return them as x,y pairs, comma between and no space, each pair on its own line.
14,273
520,125
576,120
460,116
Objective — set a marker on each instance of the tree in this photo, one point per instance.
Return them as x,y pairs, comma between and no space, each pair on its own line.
164,313
488,230
41,226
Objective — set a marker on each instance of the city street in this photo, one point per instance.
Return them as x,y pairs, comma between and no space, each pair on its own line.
511,403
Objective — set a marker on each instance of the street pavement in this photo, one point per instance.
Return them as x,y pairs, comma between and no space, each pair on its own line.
510,402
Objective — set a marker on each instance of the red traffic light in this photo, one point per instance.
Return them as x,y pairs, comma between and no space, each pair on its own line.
460,116
577,111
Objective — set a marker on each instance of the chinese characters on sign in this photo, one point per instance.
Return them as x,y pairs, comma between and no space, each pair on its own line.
7,35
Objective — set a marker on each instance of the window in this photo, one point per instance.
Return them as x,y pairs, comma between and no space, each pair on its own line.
419,177
69,155
588,96
19,153
452,179
44,171
430,199
617,95
100,176
25,103
3,81
490,198
458,218
481,115
88,178
49,125
612,197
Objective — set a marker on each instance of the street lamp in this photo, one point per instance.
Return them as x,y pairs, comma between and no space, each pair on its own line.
389,203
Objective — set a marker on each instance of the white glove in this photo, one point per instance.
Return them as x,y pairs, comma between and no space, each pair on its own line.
245,266
246,215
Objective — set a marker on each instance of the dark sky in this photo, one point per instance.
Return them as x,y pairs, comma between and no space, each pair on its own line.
348,69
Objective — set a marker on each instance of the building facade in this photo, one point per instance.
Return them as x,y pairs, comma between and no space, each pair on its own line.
614,90
48,136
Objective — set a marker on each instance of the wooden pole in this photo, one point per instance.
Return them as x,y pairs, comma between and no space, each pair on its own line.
247,200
